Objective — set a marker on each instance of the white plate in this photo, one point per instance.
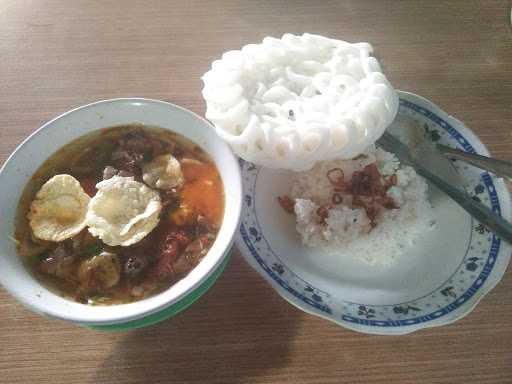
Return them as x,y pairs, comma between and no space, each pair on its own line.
436,282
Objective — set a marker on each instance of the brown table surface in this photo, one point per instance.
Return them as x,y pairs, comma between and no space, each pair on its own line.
55,55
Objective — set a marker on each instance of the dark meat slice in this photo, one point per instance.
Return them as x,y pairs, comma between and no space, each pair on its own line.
170,198
139,256
89,185
127,160
173,245
193,254
110,172
198,248
135,264
59,262
134,148
140,142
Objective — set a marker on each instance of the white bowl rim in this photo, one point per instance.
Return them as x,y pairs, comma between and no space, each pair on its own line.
140,309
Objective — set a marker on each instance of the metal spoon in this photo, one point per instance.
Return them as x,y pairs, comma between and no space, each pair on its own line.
500,168
477,210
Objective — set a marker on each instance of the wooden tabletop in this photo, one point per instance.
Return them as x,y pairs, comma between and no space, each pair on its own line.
56,55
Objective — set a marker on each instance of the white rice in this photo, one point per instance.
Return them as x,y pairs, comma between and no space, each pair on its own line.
347,230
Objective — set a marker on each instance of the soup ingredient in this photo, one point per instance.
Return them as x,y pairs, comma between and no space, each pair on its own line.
59,209
290,102
369,207
123,211
172,249
161,234
184,215
199,195
110,172
163,172
59,261
99,272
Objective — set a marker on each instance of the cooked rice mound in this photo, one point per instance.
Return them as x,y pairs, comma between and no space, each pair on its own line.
377,227
290,102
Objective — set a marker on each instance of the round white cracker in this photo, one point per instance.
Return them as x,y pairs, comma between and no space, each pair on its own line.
123,211
291,102
163,172
59,209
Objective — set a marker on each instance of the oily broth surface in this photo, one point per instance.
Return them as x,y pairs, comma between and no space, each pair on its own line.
64,161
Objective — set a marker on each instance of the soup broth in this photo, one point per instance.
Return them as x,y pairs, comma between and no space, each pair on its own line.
185,185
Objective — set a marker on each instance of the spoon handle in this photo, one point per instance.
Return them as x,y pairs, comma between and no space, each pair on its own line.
479,211
500,168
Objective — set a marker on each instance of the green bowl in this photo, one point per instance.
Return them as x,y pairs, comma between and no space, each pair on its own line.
171,310
27,158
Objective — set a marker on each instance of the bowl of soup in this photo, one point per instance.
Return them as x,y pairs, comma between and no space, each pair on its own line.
118,214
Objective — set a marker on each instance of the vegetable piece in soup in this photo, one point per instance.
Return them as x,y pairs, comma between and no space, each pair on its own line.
148,206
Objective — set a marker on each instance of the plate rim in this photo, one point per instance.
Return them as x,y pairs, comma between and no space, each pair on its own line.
492,279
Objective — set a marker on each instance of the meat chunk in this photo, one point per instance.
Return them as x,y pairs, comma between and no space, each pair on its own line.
59,262
135,264
174,244
138,141
132,150
192,255
110,172
198,248
170,198
127,160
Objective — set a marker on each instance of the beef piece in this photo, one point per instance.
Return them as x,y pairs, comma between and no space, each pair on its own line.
139,141
59,262
110,172
127,160
193,254
172,247
135,264
170,198
198,248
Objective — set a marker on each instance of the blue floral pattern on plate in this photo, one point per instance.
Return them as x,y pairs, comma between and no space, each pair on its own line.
448,302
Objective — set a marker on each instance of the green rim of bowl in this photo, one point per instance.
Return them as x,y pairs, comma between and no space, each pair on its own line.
174,309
